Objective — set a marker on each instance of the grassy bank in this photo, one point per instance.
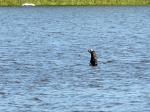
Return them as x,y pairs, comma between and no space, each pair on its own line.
74,2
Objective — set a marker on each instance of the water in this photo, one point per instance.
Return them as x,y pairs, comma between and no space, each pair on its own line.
44,63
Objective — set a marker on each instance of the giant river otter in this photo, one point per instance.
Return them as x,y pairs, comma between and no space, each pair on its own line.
93,61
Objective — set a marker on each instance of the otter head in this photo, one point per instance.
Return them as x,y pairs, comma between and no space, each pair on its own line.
93,60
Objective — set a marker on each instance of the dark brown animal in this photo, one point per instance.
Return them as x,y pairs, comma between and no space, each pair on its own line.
93,61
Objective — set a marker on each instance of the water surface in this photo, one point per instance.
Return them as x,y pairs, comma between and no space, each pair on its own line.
44,63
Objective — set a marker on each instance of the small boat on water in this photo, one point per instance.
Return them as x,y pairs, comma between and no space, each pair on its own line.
28,4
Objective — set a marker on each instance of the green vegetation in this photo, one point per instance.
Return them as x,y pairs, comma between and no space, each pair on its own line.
74,2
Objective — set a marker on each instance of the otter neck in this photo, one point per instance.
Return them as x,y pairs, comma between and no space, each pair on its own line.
93,56
93,60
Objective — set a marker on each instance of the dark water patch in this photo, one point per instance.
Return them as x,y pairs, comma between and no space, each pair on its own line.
36,99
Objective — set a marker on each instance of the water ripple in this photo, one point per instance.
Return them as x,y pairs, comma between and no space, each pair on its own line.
44,63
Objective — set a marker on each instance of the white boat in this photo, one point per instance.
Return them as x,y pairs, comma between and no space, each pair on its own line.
28,4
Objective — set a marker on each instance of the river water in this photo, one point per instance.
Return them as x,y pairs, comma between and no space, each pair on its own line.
44,63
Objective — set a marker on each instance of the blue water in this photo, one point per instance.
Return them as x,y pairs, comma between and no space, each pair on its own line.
44,63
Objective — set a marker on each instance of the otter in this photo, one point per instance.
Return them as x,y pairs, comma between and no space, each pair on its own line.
93,61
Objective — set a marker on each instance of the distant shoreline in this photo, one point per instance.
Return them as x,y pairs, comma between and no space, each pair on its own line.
72,5
76,2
